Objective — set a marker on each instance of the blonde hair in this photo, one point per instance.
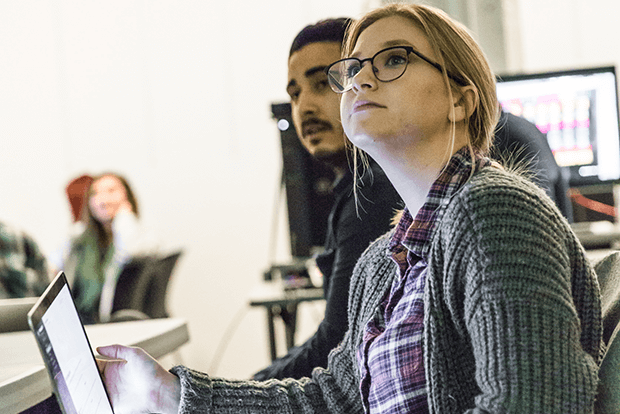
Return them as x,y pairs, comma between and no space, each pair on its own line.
460,58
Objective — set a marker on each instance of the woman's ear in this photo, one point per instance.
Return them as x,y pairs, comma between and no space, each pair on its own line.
465,103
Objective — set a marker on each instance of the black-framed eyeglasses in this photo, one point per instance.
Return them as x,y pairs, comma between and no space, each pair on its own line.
387,65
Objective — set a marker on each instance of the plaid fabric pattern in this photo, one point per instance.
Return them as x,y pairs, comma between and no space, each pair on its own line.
391,356
23,268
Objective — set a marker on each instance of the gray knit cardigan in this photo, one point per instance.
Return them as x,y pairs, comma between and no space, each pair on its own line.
512,317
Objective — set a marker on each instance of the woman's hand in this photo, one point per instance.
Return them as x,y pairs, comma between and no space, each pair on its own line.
137,383
124,207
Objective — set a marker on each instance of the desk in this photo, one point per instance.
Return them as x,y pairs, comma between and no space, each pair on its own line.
279,302
24,381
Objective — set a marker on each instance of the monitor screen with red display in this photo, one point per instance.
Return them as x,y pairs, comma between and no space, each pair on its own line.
577,110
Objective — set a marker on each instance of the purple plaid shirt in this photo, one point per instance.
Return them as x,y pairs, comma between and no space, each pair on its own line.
391,356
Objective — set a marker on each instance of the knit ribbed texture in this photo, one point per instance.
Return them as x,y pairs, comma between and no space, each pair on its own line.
512,299
512,317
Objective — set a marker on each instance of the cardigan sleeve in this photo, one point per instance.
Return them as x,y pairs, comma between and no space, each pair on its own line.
332,390
526,299
202,394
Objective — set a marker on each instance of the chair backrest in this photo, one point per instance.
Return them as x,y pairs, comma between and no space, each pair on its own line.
155,300
143,284
608,273
133,283
608,395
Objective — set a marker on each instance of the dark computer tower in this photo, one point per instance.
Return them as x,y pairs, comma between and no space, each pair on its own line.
308,185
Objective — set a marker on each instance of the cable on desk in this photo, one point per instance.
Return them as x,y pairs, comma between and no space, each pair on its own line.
225,339
590,204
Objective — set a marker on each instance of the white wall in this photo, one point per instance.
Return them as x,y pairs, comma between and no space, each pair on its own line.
524,36
175,95
561,34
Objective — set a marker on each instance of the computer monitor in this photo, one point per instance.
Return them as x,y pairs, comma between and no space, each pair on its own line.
308,183
578,112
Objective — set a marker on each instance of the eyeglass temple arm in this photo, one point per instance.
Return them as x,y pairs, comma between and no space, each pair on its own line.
437,66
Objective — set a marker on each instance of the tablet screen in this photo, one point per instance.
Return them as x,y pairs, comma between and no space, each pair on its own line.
69,358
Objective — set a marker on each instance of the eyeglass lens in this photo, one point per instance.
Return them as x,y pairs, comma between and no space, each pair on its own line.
387,65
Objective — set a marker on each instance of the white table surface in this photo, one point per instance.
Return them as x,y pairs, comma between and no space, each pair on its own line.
24,382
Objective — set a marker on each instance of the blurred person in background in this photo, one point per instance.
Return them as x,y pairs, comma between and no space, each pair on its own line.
110,236
23,268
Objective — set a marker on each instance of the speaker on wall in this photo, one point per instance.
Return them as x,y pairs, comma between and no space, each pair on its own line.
308,185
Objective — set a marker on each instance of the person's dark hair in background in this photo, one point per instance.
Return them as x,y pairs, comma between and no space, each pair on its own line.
350,228
519,142
328,30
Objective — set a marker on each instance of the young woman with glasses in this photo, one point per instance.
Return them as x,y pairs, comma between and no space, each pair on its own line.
480,300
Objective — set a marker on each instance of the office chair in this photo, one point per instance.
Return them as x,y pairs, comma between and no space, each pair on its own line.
608,395
131,289
142,287
155,301
608,273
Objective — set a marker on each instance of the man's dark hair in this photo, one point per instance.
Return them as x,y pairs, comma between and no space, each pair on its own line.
328,30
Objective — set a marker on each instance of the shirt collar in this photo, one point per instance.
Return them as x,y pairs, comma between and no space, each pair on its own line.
415,234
